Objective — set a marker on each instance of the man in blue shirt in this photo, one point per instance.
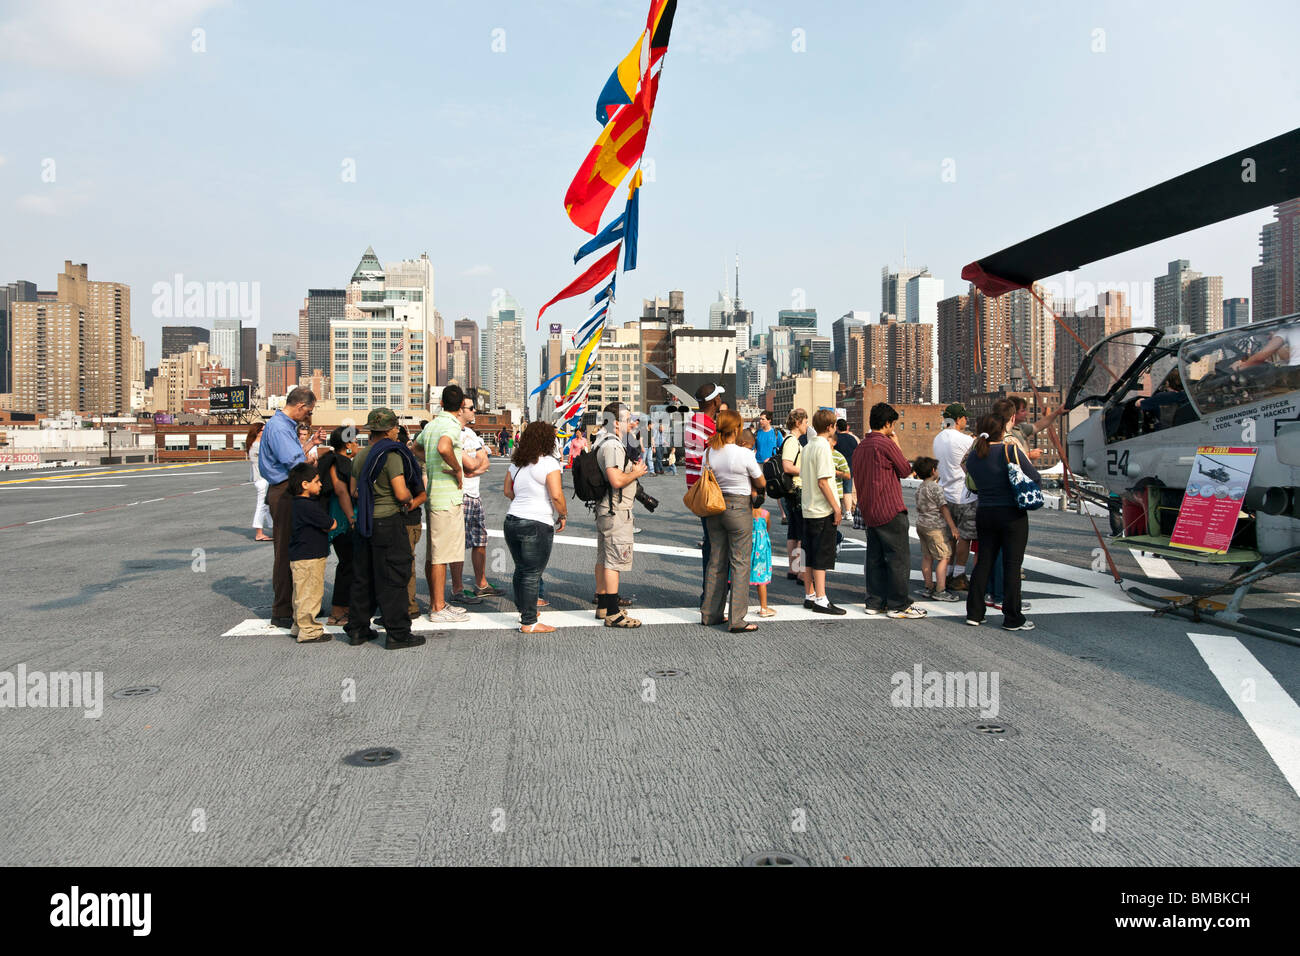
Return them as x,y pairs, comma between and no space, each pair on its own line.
766,438
281,449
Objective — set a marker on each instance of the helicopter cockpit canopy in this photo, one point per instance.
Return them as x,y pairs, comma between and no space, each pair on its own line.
1241,366
1106,370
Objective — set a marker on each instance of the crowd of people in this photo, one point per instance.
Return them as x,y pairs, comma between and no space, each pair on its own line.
372,504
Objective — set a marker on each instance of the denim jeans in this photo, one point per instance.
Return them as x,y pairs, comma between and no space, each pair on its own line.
530,547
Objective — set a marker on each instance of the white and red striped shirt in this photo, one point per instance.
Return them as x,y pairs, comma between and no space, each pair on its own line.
698,432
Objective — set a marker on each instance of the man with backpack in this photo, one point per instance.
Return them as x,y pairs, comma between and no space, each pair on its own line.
613,509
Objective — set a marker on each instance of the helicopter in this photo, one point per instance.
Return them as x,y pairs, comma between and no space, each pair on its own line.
1217,473
1155,396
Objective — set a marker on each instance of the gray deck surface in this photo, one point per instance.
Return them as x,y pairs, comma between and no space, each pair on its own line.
540,749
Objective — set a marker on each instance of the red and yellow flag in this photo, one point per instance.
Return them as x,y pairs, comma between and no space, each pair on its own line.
610,160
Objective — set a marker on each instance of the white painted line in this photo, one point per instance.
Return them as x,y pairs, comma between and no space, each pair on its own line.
498,620
1270,712
57,517
82,487
150,501
1154,566
204,491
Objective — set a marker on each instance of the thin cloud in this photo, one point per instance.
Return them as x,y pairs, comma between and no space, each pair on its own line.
120,38
479,270
721,33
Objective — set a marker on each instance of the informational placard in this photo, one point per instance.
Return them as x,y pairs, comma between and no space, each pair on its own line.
1212,502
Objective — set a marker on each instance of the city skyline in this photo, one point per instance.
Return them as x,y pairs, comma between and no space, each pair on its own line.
286,216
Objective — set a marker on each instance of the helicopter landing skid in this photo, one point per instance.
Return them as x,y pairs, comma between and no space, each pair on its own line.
1200,607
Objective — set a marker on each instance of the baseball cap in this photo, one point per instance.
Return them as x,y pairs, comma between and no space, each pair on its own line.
955,411
381,420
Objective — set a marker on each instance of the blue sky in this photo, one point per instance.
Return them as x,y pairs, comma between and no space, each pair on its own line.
225,165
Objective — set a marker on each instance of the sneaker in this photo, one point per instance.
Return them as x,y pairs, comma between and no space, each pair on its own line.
924,594
827,609
809,604
1027,626
944,596
639,530
973,623
448,615
910,613
989,602
874,611
958,583
465,597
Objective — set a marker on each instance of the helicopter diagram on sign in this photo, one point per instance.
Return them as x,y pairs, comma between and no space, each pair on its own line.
1212,502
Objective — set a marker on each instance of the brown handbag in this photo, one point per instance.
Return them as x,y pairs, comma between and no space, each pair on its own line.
704,498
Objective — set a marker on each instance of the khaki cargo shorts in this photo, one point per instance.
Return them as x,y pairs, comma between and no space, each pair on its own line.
935,543
614,541
446,541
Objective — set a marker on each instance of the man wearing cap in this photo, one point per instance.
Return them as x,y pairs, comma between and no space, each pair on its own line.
698,432
951,446
444,478
385,482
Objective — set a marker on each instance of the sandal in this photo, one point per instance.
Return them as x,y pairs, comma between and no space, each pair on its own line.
538,628
767,612
744,629
621,620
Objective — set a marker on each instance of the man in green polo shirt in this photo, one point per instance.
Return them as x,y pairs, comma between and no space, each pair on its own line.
445,542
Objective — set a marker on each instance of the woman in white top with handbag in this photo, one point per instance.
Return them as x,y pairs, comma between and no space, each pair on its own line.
730,533
537,511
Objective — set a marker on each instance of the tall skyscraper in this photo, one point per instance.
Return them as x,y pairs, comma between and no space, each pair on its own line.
798,319
840,330
923,292
228,346
467,331
20,291
510,362
1111,314
286,343
1034,331
505,304
1236,312
177,339
893,290
897,355
323,307
1204,304
72,350
974,345
248,356
1275,281
1184,297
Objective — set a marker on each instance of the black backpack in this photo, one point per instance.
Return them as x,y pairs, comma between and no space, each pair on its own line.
779,484
589,482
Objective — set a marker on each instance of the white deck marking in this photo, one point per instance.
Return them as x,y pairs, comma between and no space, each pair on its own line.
75,514
1270,712
1154,566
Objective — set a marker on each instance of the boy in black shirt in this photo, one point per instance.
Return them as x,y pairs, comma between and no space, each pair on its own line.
308,548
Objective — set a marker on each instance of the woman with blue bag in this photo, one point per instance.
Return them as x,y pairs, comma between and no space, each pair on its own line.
1007,484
